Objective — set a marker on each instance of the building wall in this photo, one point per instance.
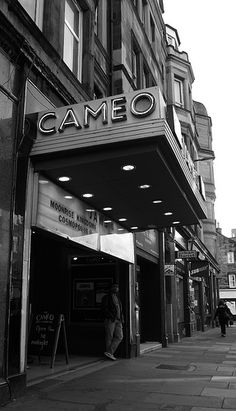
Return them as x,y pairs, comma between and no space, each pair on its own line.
206,170
129,51
9,105
226,256
133,35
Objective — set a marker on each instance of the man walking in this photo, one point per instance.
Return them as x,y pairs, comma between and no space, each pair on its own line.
224,314
113,320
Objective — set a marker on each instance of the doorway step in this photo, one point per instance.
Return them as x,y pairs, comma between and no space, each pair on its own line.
149,346
41,372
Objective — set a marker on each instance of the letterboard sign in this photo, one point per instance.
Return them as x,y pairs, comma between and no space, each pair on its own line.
42,333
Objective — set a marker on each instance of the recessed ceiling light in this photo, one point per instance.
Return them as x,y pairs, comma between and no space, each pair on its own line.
176,222
107,221
90,210
134,228
144,186
64,178
87,195
75,258
168,213
68,197
122,219
107,208
157,201
128,167
121,229
42,181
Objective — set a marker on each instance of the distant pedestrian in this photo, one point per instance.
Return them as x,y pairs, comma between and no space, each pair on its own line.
113,320
223,314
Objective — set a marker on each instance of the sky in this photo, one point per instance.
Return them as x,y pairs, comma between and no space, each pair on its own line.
206,30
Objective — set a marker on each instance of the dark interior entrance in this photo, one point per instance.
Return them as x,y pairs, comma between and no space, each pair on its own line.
149,300
71,280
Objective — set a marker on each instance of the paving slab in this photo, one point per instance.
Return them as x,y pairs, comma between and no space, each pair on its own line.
229,403
218,384
226,369
185,400
195,374
228,362
205,366
217,392
224,378
208,409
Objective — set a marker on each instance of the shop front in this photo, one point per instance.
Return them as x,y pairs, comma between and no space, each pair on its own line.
229,296
76,254
204,293
99,172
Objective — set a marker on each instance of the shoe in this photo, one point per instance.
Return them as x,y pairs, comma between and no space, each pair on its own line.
110,356
222,335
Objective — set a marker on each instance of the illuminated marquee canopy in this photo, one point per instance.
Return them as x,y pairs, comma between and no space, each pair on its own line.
92,141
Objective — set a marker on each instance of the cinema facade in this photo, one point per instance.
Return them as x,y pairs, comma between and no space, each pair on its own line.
99,185
93,190
105,179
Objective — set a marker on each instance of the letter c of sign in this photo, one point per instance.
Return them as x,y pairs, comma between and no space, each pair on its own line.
147,111
42,121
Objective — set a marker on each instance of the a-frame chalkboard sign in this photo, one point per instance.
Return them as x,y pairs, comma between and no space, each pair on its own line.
45,331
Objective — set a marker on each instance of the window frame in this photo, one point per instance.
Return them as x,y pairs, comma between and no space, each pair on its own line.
146,76
152,29
143,15
171,41
134,66
101,23
180,101
232,280
230,257
35,11
76,64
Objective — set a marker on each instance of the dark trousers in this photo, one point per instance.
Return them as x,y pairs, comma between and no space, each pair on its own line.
113,335
222,326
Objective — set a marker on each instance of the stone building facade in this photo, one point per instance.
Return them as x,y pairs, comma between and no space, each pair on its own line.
226,254
102,180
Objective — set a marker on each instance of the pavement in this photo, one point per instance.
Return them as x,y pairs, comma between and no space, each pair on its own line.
196,374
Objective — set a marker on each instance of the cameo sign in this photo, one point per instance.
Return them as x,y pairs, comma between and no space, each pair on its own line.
97,122
115,110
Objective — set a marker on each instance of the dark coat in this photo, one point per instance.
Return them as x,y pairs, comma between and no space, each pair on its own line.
109,308
223,313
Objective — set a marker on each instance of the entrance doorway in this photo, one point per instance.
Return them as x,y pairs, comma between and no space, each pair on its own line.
149,300
70,280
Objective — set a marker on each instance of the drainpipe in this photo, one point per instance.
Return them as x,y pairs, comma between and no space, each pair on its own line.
201,306
187,310
164,337
211,289
111,28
